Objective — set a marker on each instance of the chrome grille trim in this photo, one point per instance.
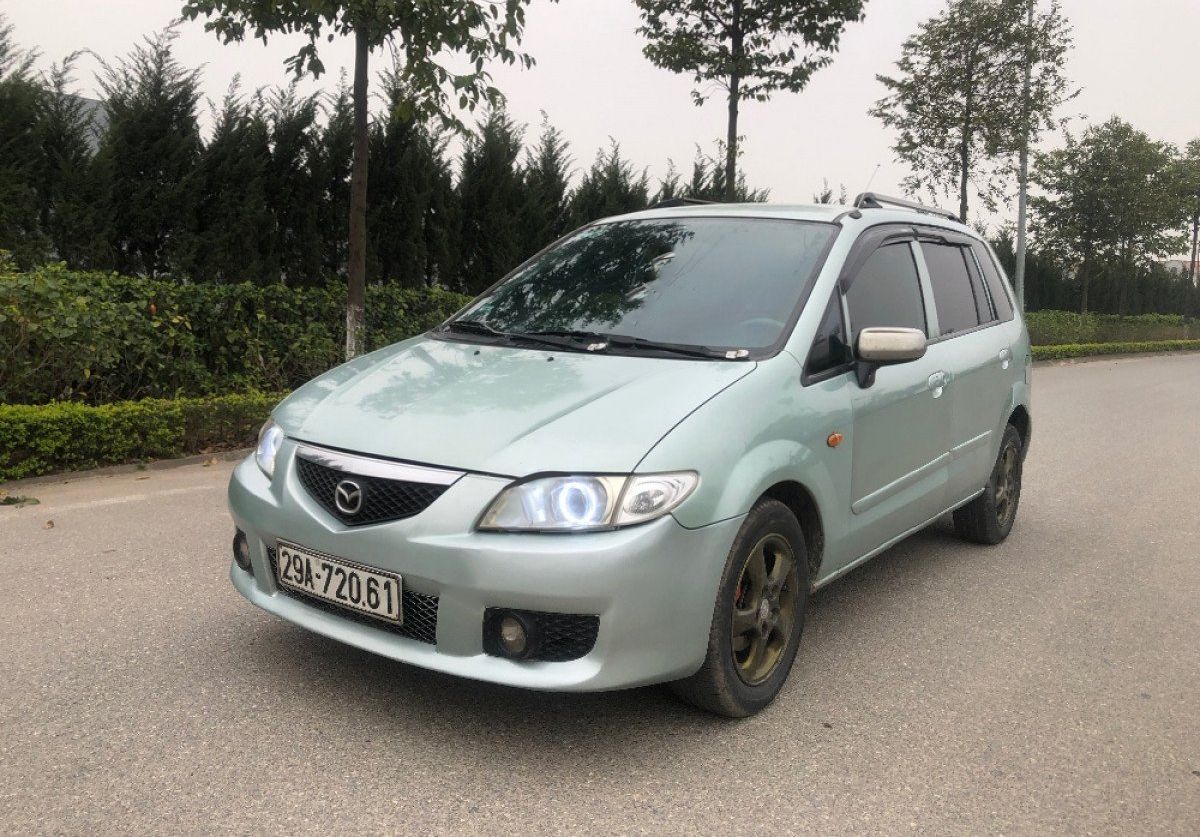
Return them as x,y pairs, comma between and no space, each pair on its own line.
381,468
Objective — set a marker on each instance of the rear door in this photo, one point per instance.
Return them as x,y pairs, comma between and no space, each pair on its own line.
974,352
902,422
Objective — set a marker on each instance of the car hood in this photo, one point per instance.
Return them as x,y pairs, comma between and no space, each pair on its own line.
502,410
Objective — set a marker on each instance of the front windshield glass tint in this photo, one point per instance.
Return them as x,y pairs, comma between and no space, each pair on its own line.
717,282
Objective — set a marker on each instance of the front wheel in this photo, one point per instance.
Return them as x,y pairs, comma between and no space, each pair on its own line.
989,517
758,617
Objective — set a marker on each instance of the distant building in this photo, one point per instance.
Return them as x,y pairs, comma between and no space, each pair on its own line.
1181,266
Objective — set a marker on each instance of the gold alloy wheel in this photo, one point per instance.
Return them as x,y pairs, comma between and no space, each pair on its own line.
1008,483
764,608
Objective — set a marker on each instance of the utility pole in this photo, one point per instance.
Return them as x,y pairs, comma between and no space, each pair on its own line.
1023,197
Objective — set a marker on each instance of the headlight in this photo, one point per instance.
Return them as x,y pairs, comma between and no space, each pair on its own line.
584,503
269,440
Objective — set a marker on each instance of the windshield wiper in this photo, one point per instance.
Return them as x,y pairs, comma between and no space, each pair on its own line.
473,327
533,338
599,340
681,349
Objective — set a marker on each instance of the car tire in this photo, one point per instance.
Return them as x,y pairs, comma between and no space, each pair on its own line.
743,672
989,517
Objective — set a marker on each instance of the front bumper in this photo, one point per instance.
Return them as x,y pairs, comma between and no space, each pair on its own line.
653,586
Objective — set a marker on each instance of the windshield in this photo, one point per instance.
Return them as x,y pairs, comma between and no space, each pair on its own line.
721,283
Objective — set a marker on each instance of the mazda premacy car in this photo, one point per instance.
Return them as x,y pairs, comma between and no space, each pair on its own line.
632,459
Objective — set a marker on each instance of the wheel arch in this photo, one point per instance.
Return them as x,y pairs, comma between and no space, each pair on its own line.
1020,419
804,505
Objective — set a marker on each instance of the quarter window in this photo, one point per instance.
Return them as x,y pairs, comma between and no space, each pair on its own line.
887,291
829,349
953,294
995,282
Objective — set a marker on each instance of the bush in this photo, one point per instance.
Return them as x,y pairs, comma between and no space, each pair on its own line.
1055,328
68,436
1087,349
100,337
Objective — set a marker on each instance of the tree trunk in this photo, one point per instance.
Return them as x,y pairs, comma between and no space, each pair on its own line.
1026,131
1084,279
357,269
735,83
1195,244
964,152
1124,279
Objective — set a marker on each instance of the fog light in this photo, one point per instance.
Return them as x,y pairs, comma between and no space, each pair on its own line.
514,639
241,550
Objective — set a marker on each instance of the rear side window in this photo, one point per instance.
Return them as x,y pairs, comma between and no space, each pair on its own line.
887,291
953,295
995,283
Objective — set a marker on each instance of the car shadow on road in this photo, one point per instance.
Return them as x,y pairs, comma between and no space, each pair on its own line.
519,725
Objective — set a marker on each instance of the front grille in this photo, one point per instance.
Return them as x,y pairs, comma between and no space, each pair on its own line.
558,637
420,610
382,499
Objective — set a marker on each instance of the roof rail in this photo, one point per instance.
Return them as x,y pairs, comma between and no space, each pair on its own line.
872,200
672,202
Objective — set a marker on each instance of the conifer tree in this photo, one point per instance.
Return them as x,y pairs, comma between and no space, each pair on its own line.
408,192
334,171
67,189
234,221
295,187
547,176
151,147
609,187
492,195
20,99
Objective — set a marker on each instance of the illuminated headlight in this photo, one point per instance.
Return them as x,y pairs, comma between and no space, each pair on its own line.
269,440
583,503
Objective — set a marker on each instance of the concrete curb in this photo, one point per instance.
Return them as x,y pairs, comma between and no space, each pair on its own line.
1068,361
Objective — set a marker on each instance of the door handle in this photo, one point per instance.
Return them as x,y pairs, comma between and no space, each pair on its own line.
937,383
1005,358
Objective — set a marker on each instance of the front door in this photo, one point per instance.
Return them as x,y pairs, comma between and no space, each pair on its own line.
902,422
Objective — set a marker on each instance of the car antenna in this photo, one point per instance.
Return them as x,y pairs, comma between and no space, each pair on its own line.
871,179
856,212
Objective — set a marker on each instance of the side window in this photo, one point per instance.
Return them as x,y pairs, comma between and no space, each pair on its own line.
982,305
829,348
995,283
887,291
953,294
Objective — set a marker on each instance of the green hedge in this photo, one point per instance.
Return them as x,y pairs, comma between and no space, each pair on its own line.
68,436
1057,328
1088,349
99,337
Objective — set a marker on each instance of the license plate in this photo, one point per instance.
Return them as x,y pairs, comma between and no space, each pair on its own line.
341,582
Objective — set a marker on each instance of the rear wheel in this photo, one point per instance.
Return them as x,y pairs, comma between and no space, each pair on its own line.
758,617
989,517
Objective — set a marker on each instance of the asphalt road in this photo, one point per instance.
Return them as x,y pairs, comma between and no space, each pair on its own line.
1051,684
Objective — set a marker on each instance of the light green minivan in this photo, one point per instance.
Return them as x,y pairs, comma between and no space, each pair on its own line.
631,460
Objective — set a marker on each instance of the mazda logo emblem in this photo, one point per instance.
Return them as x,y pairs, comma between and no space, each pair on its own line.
348,497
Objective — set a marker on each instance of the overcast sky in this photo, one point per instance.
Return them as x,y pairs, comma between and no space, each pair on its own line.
1138,59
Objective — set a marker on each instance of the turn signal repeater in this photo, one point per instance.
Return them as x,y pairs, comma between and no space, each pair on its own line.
834,439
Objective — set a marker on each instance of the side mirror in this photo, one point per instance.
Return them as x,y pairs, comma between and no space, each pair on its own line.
878,347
